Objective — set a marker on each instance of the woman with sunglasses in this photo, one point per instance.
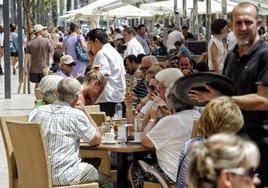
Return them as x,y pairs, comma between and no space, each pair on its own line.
220,115
223,161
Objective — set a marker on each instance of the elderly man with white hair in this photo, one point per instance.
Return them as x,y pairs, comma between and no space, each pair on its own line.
165,78
63,125
169,133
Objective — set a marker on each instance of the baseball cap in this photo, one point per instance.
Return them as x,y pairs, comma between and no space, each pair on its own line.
38,27
67,60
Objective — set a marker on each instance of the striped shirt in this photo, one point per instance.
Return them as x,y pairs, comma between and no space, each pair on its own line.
184,161
140,90
63,127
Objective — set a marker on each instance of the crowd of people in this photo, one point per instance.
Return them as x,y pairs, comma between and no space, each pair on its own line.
214,156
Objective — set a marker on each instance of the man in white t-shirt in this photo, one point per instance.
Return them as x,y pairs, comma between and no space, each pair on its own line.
169,133
174,36
134,47
111,65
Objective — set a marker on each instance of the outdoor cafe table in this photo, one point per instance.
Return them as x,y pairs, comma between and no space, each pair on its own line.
122,150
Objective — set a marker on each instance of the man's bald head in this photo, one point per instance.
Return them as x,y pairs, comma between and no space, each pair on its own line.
244,5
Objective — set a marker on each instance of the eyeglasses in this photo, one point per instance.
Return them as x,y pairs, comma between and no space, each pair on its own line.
250,172
144,69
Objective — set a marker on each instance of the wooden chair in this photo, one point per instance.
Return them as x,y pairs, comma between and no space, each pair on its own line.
11,163
105,165
98,117
150,169
148,184
31,157
92,108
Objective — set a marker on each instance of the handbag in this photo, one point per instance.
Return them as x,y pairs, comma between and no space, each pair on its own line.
82,54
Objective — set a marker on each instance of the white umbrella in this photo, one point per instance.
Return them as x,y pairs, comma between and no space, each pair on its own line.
168,6
127,11
162,7
92,7
69,15
261,4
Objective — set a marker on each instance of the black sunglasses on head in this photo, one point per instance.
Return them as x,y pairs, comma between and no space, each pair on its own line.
250,172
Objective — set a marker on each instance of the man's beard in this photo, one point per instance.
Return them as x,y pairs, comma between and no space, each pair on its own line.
243,42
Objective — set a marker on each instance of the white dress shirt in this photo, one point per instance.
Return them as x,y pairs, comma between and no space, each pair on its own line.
111,63
134,47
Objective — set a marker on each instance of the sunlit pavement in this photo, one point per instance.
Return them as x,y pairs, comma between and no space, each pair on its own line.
18,104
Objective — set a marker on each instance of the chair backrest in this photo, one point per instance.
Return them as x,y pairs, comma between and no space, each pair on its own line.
197,47
30,154
92,108
12,169
150,169
98,117
105,164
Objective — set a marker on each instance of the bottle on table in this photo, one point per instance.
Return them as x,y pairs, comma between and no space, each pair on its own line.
123,132
118,111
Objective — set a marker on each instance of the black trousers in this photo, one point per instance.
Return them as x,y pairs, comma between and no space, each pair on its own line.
109,108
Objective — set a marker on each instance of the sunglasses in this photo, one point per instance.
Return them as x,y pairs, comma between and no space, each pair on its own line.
250,172
69,65
144,69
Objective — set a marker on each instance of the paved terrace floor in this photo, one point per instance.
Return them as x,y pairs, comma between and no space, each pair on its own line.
18,104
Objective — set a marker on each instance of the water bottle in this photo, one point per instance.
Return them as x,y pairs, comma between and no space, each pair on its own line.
118,111
123,132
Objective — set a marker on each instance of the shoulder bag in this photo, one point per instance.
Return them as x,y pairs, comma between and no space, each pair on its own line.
82,54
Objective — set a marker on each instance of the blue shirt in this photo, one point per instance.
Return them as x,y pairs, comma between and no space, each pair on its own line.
14,42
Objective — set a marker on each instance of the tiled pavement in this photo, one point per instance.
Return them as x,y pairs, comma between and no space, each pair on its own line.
18,104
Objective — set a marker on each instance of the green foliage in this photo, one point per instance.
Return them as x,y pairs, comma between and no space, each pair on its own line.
41,6
33,8
160,18
44,6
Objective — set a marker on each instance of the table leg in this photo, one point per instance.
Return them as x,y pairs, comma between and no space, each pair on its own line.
122,170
